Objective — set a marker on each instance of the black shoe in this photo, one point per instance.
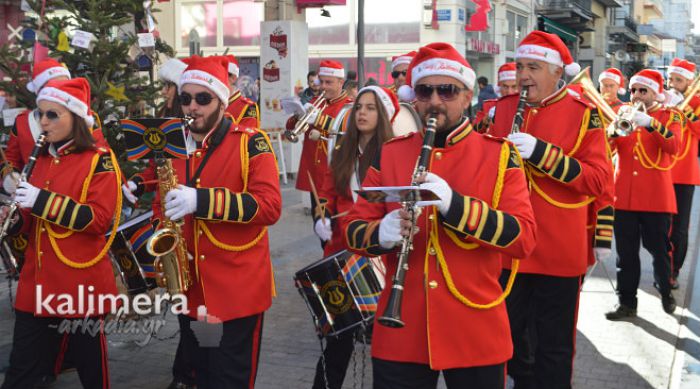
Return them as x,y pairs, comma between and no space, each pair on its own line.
622,312
46,381
669,304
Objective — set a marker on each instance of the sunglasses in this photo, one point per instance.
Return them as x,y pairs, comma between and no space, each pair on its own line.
446,92
640,90
396,73
201,98
51,115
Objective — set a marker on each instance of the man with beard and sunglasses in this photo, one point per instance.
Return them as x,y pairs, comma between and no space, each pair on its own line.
644,197
567,164
228,195
481,218
399,65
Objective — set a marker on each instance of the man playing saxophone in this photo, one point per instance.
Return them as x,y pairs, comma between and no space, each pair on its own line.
483,216
228,195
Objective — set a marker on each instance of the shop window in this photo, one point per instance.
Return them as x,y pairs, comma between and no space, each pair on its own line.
220,22
333,30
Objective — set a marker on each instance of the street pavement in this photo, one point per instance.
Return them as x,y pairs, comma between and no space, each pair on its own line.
655,350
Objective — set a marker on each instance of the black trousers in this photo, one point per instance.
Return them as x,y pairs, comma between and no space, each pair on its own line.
679,225
183,366
542,311
404,375
653,229
36,337
226,354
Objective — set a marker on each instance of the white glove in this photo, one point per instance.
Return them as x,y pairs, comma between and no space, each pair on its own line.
390,230
601,253
26,194
673,97
323,229
641,119
442,190
10,183
128,190
311,119
525,143
180,202
492,112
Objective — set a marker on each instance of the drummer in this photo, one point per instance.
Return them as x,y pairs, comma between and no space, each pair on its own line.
368,127
82,180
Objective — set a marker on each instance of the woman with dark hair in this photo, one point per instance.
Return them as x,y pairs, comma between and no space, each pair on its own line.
67,206
368,127
170,74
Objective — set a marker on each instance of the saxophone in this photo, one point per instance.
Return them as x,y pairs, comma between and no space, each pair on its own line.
167,244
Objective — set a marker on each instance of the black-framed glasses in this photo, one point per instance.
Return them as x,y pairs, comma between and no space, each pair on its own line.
50,114
640,90
446,92
201,98
397,73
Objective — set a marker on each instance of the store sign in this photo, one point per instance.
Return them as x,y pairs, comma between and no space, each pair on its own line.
444,15
484,47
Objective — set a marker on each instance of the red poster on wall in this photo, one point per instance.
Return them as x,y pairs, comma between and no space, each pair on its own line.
480,20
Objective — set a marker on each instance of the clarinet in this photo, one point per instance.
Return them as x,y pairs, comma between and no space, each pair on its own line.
518,119
24,176
392,312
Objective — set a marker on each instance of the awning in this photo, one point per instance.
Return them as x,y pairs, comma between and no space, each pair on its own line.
548,25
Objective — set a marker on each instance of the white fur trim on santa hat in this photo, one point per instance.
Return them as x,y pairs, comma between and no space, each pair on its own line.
651,84
383,98
44,77
199,77
508,75
331,72
681,71
443,67
67,100
401,60
406,94
547,55
233,69
172,70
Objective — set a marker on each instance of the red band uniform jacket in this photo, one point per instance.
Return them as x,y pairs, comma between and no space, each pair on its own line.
687,169
334,203
568,169
80,199
243,110
644,181
314,154
238,197
489,219
479,124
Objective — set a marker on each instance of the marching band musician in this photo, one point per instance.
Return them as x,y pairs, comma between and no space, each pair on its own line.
565,148
399,64
67,206
611,86
228,195
506,86
243,110
686,172
644,198
314,154
369,126
483,215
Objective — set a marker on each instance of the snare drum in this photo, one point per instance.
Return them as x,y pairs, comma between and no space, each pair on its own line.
407,120
341,291
129,256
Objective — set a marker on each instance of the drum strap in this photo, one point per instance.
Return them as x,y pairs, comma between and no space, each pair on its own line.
216,140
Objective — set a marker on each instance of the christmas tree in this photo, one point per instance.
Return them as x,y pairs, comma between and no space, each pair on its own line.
98,40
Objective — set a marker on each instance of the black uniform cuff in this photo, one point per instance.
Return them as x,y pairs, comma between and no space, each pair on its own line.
224,205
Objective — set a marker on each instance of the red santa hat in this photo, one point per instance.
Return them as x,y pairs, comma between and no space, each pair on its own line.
331,68
209,72
44,71
614,75
683,68
73,94
388,99
233,68
653,80
436,59
506,72
172,70
549,48
403,59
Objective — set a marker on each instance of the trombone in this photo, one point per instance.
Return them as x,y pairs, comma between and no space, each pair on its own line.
302,126
692,90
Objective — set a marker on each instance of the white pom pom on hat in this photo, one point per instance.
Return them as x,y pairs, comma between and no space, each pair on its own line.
406,94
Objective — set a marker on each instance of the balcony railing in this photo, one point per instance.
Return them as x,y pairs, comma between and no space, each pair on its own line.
582,6
626,22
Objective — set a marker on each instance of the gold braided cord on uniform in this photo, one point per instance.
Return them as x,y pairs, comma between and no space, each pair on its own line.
434,243
646,161
52,239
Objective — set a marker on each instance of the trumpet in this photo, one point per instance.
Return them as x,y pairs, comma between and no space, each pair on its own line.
302,126
623,125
